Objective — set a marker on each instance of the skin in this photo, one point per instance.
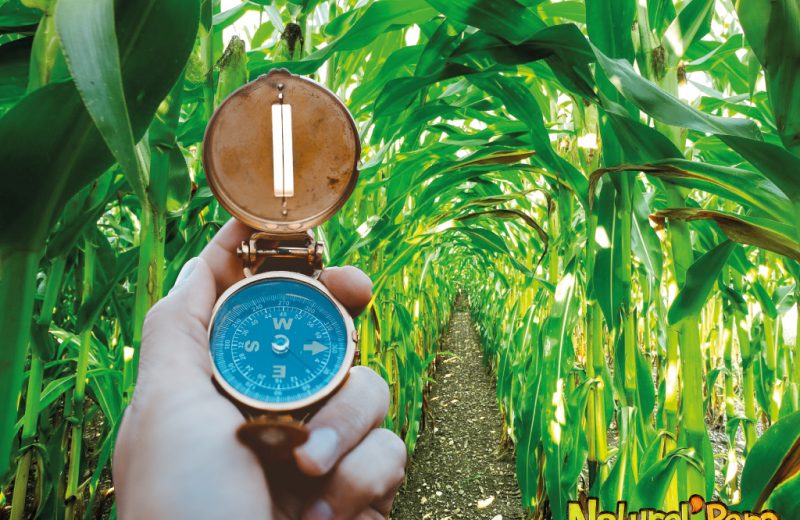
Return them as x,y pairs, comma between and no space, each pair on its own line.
177,455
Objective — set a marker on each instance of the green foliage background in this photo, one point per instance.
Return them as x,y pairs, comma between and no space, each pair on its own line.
629,244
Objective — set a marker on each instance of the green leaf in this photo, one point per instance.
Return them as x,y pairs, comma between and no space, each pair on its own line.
16,17
89,41
700,279
640,143
666,108
769,234
754,15
170,187
652,486
512,214
557,355
376,19
621,478
49,136
750,189
398,93
230,16
692,23
14,57
507,19
764,299
521,104
91,309
644,241
609,25
777,164
779,54
605,283
774,459
55,389
660,14
784,499
567,10
563,47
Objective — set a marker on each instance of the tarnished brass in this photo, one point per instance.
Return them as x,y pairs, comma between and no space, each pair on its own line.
272,437
315,148
303,254
238,154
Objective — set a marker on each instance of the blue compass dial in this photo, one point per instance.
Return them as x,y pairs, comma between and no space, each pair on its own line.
278,340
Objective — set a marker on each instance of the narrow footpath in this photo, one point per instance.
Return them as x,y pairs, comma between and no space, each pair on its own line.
459,469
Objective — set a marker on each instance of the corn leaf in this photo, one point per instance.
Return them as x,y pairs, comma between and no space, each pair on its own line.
507,19
50,136
766,233
89,41
14,58
774,460
750,189
778,53
700,278
666,108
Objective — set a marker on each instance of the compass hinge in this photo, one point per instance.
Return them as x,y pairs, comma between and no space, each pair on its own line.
307,252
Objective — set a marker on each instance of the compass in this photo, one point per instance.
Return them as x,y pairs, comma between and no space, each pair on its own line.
278,342
281,155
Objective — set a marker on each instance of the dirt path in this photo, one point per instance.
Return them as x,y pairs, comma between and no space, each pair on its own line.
458,469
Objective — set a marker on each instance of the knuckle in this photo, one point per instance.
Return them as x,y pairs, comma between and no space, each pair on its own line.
376,384
351,491
370,489
393,446
353,420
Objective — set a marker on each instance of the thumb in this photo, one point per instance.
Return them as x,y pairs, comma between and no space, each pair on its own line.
174,349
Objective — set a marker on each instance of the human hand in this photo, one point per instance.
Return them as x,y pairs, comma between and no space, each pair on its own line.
177,455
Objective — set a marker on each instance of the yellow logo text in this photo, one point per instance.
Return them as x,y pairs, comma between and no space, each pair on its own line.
695,509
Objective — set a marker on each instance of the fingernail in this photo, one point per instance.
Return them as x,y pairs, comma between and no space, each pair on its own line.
185,272
319,511
321,448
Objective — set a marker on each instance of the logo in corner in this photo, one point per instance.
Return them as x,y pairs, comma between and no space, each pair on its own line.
696,508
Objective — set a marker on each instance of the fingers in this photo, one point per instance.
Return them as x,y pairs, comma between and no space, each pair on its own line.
220,254
349,285
358,407
174,341
176,325
370,514
365,481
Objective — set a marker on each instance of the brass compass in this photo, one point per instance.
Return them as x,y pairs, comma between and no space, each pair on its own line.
281,155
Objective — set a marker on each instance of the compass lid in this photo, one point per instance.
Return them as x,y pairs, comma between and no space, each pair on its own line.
277,169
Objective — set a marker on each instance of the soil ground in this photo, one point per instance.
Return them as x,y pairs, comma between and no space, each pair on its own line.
459,469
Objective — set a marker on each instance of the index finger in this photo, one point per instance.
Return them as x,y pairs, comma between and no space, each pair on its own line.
342,422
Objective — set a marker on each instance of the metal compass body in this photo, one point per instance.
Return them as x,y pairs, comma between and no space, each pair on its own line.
281,155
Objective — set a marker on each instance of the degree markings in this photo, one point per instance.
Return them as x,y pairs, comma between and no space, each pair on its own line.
251,320
242,332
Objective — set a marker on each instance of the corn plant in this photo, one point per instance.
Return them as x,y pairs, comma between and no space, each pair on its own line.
613,183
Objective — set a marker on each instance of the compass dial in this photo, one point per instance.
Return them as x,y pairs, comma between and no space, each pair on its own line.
278,341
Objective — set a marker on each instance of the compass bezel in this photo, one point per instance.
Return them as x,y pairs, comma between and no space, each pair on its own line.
299,404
